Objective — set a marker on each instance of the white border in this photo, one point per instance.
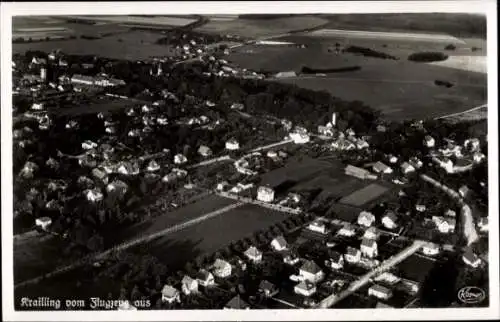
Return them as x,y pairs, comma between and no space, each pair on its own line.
8,10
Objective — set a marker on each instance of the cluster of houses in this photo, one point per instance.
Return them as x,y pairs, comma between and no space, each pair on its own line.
455,158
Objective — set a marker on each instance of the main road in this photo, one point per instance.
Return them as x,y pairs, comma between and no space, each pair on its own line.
363,280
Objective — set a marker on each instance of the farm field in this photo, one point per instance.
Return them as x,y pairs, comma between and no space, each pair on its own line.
364,195
259,28
152,20
133,45
206,237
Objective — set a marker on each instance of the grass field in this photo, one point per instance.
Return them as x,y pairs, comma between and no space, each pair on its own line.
364,195
209,236
153,20
259,28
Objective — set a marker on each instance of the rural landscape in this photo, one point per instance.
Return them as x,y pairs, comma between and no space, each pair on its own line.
250,162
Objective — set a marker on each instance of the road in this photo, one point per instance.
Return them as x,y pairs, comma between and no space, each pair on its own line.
464,112
386,265
130,243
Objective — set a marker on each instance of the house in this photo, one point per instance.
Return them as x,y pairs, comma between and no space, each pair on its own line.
407,168
221,268
343,145
366,219
445,225
153,166
299,138
390,219
180,159
369,248
170,294
450,213
379,167
305,288
100,175
38,61
336,260
410,286
388,278
253,254
325,130
352,255
43,222
189,285
310,271
482,223
429,141
380,292
446,164
117,186
204,151
128,168
471,259
205,278
420,207
232,144
237,106
78,79
348,231
381,128
237,303
37,106
272,154
279,243
478,157
472,144
415,162
265,194
93,195
371,233
464,191
430,249
361,144
89,145
318,226
290,258
268,288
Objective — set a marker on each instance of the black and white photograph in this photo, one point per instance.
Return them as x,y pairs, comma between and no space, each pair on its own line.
250,160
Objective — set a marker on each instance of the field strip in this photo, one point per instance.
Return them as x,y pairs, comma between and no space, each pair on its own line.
354,286
131,243
464,112
386,35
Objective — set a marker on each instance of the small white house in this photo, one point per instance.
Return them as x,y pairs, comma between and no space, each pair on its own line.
170,294
310,271
221,268
305,288
478,157
380,292
380,167
180,159
366,219
153,166
253,254
407,168
347,231
389,220
279,244
265,194
318,226
429,141
189,285
430,249
450,213
369,247
88,145
299,138
352,255
37,106
205,278
336,260
445,225
290,258
371,233
93,195
43,222
232,145
204,151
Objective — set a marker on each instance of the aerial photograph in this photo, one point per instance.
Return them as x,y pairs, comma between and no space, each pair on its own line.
251,161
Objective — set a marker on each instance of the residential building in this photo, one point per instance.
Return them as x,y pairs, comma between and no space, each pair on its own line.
82,80
390,219
204,151
362,144
388,278
279,243
407,168
117,186
268,288
348,231
232,144
310,271
366,219
43,222
318,226
420,207
221,268
472,144
305,288
450,213
89,145
379,167
411,286
381,128
100,175
272,154
153,166
299,138
170,294
352,255
290,258
336,260
478,157
253,254
237,303
37,106
369,247
429,141
445,225
371,233
359,173
325,130
180,159
265,194
93,195
430,249
380,292
415,162
205,278
343,144
128,168
189,285
471,259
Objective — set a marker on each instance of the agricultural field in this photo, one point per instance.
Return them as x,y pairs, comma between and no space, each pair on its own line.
251,28
206,237
364,195
176,21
